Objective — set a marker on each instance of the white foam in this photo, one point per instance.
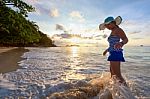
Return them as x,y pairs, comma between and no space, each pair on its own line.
4,83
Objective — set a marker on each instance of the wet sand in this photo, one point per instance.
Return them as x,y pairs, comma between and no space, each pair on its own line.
9,58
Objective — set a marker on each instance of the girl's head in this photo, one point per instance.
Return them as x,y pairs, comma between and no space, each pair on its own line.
110,23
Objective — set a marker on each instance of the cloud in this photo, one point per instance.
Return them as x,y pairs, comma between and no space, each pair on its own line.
77,15
136,32
32,2
46,7
137,38
41,9
66,36
54,13
133,27
59,27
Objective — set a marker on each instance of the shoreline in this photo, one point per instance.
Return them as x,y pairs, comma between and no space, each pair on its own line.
9,58
5,49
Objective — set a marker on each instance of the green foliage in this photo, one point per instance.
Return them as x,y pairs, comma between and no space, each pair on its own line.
44,40
22,6
15,30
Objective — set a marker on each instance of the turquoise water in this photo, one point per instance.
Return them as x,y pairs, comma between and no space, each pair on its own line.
56,65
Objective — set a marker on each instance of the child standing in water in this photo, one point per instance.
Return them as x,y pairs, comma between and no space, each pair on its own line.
115,45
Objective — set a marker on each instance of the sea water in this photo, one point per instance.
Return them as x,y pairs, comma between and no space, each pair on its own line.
55,69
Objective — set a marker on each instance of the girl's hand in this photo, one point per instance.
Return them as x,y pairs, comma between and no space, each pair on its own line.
105,52
118,45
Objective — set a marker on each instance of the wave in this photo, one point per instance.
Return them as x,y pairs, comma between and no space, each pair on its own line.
97,88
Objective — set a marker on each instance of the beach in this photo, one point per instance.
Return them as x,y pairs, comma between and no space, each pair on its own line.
9,58
54,72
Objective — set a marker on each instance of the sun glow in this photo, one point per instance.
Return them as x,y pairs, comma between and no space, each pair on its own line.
75,51
74,64
75,40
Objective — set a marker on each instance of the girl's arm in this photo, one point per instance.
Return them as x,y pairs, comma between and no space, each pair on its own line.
123,36
105,52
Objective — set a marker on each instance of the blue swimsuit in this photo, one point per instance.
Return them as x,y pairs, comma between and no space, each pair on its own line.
115,54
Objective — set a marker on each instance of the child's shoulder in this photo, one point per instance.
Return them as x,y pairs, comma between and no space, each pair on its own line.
119,31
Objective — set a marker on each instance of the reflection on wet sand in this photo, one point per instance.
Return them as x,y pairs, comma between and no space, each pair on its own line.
9,59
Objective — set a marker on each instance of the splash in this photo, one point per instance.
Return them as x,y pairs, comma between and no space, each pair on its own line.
102,87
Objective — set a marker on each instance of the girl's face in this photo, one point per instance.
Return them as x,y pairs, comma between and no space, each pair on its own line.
110,26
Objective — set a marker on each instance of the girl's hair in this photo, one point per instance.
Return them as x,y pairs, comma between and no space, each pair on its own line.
114,22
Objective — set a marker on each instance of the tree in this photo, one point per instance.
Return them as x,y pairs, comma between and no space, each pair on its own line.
23,7
16,30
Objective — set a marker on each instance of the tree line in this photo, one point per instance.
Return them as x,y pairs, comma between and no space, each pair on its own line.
16,30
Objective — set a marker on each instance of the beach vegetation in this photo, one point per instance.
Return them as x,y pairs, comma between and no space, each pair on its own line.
16,29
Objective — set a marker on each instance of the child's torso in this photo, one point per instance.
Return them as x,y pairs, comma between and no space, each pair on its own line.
113,39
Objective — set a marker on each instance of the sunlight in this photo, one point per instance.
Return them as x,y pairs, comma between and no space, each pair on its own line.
74,76
74,65
75,51
75,40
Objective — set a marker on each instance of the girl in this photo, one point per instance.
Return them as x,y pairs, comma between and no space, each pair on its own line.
115,46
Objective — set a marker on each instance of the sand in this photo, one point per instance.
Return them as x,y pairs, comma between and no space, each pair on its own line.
9,58
5,49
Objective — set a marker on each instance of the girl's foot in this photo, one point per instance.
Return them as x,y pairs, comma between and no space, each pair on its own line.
120,80
123,83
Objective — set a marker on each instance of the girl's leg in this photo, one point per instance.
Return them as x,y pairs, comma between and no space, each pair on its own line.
111,72
115,68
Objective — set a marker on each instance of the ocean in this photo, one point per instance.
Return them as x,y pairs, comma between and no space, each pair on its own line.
43,68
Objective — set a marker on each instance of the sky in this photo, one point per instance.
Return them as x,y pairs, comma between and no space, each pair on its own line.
84,16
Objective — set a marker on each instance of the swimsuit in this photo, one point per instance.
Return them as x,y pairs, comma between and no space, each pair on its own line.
114,54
